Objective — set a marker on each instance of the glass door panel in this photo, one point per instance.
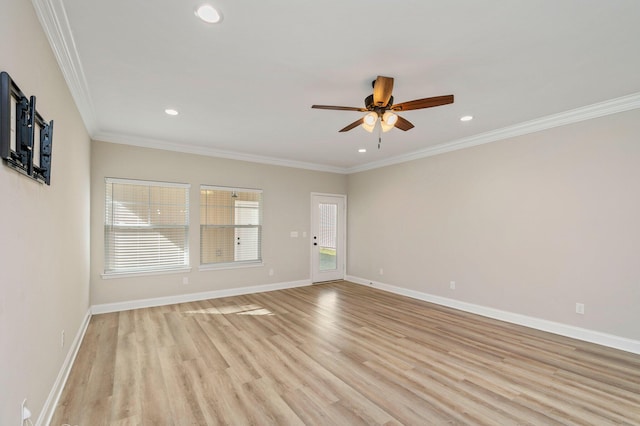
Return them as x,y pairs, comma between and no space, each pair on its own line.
328,233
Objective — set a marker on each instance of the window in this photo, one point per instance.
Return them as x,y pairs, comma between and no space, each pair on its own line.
146,226
230,226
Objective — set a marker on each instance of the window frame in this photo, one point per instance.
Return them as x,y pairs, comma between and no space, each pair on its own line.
235,264
111,228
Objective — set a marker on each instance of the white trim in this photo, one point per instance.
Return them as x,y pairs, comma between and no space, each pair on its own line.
210,152
115,275
230,265
327,194
566,330
613,106
48,410
193,297
53,19
55,24
46,414
229,189
121,181
56,391
343,224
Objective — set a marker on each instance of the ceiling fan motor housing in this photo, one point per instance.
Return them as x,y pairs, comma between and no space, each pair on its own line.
369,105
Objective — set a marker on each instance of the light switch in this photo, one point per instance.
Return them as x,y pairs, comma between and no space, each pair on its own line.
294,234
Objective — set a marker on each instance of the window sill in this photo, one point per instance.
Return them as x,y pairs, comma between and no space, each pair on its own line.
116,275
235,265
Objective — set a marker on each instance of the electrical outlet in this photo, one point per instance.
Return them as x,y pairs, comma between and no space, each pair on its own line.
62,339
185,280
580,308
271,272
452,285
381,271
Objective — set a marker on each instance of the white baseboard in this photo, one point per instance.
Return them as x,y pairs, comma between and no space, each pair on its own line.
56,391
193,297
591,336
46,414
583,334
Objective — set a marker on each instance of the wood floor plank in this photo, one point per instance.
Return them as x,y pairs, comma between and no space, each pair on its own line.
127,378
309,410
183,406
338,354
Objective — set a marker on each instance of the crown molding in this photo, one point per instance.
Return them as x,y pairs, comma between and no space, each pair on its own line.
54,22
53,18
613,106
211,152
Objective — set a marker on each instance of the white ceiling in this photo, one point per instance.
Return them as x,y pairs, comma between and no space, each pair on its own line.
244,87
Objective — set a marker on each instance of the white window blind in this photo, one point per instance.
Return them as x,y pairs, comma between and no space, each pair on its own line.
230,225
328,225
146,226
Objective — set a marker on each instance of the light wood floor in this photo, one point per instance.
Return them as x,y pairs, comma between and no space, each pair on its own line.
338,354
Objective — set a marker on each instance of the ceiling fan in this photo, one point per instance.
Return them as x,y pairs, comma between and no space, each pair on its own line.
380,106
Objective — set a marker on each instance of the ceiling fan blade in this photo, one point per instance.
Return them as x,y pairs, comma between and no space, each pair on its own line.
403,124
423,103
353,125
382,89
339,108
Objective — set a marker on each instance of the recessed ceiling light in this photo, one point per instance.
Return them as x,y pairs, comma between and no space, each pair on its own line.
466,118
208,14
170,111
362,150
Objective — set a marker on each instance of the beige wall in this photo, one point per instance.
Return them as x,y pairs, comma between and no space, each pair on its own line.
44,230
286,208
529,225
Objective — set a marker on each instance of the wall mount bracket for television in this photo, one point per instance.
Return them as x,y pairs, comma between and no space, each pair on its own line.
25,136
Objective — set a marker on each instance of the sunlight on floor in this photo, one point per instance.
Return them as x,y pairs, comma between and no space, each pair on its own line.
328,300
326,317
233,310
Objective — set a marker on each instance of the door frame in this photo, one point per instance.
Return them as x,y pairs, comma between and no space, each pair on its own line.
341,237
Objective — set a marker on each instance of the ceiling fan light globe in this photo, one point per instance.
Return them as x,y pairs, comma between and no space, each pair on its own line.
389,118
385,127
368,127
370,119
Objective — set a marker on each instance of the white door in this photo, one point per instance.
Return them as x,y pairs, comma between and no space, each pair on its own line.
328,237
246,238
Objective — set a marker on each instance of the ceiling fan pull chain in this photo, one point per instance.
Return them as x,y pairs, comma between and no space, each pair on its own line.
379,136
